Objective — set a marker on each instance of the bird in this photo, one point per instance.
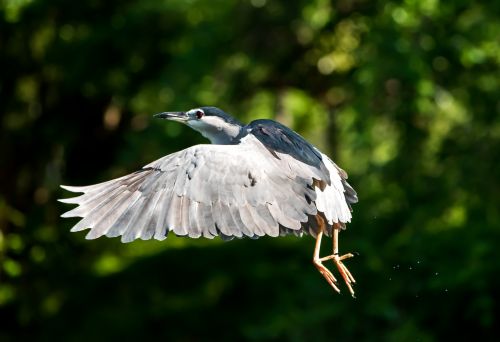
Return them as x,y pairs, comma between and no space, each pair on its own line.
252,180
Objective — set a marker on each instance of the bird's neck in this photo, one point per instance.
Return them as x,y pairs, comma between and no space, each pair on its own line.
227,135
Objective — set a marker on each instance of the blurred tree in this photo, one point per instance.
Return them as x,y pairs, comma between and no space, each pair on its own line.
403,94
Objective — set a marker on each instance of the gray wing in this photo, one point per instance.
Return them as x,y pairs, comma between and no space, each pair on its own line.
205,190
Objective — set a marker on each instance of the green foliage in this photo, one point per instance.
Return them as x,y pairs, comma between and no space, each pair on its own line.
402,94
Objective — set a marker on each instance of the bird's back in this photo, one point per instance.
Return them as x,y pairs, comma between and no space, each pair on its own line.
279,138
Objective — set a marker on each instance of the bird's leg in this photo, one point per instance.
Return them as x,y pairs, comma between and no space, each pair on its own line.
348,278
318,262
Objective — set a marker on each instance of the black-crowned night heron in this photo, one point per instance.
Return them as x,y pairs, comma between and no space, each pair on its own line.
253,180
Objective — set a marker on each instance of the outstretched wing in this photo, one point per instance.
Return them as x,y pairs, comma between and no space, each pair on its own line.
205,190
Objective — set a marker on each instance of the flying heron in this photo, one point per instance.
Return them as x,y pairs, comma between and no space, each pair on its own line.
253,180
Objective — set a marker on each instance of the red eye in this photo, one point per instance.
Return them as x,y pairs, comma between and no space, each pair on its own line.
199,114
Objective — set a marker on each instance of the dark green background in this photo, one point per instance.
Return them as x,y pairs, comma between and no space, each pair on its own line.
403,95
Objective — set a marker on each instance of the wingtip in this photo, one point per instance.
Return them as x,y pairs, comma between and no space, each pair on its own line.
93,234
67,214
66,200
78,228
72,188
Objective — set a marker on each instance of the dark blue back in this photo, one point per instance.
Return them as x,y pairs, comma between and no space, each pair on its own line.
279,138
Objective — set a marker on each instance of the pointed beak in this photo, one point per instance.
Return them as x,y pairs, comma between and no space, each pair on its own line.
174,116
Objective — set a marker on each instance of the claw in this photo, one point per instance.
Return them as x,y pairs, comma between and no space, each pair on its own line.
325,272
344,272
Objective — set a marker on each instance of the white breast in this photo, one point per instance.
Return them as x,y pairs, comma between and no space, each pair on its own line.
331,201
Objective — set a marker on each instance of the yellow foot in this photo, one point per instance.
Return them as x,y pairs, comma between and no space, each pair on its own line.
337,260
344,272
348,278
325,272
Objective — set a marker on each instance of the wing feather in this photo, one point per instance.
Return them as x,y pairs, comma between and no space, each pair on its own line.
248,221
162,210
174,214
126,215
206,217
107,218
94,216
147,222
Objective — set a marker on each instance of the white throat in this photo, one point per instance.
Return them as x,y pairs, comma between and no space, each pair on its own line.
216,130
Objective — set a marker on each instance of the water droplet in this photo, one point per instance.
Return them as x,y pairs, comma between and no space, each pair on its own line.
390,278
437,273
445,290
418,261
410,268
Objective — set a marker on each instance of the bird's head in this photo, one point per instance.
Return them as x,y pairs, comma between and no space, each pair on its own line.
213,123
